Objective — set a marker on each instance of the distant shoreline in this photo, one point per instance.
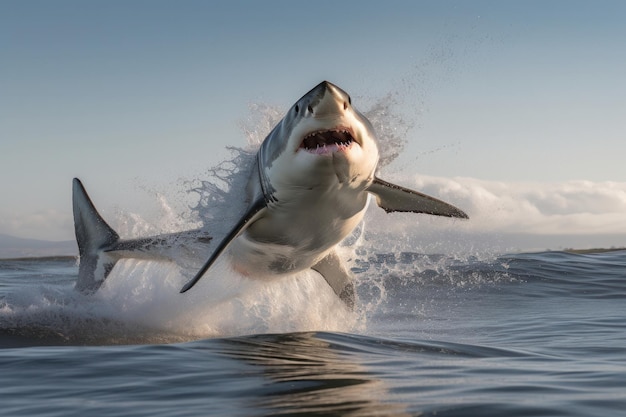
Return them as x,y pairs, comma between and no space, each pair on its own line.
12,247
41,258
592,251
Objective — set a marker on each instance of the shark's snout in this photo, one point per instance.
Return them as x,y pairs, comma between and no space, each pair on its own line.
327,107
327,100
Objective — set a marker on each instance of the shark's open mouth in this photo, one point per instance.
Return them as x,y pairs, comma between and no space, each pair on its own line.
327,141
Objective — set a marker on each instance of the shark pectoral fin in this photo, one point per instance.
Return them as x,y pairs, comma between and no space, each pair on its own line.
94,236
393,197
336,275
253,213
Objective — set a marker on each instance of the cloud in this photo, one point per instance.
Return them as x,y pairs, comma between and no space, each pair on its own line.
572,207
526,214
47,224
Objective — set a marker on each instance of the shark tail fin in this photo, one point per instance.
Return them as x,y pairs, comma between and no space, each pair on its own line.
94,237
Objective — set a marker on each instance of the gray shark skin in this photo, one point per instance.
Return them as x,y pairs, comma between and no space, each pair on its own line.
308,191
100,247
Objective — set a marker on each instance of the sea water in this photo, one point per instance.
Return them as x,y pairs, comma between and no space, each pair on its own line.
524,334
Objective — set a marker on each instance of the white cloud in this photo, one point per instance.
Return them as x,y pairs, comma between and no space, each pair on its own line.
572,207
521,214
46,224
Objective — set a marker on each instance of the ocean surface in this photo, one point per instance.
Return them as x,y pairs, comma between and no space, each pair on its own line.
531,334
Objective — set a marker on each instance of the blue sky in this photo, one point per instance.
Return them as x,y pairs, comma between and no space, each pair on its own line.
135,95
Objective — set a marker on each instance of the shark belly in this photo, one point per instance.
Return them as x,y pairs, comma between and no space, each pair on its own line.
297,233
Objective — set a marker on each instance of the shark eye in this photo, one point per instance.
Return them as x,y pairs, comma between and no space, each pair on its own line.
297,109
310,109
349,100
345,105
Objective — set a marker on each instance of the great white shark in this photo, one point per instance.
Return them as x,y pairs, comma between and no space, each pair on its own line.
308,190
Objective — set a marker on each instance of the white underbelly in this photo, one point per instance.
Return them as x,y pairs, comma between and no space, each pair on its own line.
269,260
288,245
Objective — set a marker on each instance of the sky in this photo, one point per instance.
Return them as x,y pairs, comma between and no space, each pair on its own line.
523,103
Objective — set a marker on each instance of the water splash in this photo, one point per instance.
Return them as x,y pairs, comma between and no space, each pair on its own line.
390,126
140,303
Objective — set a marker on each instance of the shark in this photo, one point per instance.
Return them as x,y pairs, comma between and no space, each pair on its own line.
309,189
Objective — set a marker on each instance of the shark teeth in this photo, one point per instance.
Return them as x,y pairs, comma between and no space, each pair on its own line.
340,138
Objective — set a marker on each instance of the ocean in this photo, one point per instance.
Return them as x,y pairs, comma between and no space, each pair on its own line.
527,334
